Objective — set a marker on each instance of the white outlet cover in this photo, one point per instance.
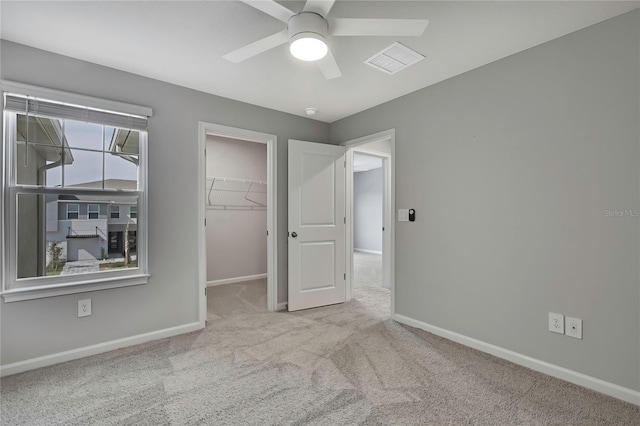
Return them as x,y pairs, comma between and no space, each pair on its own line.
556,323
403,215
84,308
573,327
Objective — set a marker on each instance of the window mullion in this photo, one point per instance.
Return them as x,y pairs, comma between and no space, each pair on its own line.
64,153
104,157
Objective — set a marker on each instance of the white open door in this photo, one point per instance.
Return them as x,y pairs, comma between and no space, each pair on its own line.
316,225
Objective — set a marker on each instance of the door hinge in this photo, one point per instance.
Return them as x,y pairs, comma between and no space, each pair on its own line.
205,221
345,276
383,228
267,233
205,291
345,219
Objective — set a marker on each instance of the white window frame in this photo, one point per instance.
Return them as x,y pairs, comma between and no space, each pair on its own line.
77,211
14,289
112,211
97,211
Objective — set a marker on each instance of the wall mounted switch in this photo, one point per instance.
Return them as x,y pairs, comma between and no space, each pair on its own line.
403,215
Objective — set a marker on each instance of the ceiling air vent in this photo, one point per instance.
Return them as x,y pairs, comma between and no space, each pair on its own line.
394,58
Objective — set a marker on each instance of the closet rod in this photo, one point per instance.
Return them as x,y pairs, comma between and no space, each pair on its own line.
246,191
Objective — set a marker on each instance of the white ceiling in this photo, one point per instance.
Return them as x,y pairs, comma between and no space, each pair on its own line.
182,42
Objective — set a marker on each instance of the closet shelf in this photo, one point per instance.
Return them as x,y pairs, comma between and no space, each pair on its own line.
236,194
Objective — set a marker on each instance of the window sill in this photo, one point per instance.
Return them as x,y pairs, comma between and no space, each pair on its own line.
29,293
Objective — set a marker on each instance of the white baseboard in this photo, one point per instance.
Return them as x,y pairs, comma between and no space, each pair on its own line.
367,251
236,280
57,358
282,306
598,385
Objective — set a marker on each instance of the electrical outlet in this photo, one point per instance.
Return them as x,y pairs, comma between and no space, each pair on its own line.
573,327
556,323
84,308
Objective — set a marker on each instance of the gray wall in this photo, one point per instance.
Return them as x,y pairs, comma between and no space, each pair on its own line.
171,297
367,209
511,168
236,237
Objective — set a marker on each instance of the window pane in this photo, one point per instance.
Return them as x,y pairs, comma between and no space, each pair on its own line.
115,212
30,250
123,140
93,211
83,135
38,165
84,170
121,172
48,243
73,211
38,130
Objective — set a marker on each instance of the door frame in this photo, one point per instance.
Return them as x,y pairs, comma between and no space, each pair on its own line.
389,202
204,129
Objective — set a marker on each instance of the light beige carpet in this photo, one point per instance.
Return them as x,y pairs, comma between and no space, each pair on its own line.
345,364
367,270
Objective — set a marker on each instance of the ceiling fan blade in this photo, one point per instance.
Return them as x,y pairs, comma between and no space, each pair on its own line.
272,8
329,67
258,47
377,27
321,7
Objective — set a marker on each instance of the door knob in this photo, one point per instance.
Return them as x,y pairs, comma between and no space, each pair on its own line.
294,235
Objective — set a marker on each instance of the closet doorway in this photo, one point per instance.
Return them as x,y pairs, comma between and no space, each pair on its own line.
238,201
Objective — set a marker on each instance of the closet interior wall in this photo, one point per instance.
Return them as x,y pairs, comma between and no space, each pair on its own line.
235,209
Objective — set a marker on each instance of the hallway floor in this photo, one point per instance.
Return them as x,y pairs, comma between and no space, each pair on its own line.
367,270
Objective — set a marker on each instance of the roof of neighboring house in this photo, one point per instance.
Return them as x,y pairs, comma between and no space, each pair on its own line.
48,137
127,143
126,184
96,199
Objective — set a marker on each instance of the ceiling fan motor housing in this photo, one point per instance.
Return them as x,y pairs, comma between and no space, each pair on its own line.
306,23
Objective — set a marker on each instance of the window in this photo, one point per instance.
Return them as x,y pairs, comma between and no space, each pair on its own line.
133,212
60,159
114,212
73,211
93,211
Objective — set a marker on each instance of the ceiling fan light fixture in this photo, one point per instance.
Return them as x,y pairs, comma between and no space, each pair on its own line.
308,46
308,36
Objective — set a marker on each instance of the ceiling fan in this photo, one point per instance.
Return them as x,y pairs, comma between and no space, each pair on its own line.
308,30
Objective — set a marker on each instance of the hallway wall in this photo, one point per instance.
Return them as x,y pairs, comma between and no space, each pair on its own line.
367,209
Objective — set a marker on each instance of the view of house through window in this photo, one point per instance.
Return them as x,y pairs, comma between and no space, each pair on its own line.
76,196
93,211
